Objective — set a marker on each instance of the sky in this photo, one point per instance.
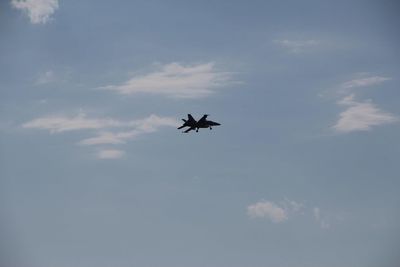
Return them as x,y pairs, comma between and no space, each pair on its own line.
303,171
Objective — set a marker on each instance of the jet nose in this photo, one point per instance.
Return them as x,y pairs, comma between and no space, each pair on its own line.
216,123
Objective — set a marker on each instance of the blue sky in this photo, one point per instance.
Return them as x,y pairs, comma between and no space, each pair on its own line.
303,172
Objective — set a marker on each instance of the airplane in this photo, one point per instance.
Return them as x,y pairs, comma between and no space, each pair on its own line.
196,125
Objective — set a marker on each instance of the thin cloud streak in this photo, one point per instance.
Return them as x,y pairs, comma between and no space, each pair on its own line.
108,135
177,81
110,138
110,154
287,209
143,126
38,11
297,46
58,124
362,82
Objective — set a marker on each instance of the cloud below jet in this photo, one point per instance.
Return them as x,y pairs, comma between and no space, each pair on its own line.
38,11
275,212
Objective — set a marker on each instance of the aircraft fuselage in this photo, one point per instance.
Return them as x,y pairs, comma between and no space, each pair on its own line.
207,124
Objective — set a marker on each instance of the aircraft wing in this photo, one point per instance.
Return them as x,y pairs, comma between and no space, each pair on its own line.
188,130
203,119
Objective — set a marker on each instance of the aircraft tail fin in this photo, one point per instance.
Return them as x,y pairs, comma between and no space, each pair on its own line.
190,118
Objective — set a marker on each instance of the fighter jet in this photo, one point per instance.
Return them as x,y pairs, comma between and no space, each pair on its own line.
196,125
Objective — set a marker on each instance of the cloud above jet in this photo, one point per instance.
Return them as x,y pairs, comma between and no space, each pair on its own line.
176,80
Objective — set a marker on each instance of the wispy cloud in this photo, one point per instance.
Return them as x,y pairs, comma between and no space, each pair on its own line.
269,210
147,125
361,116
110,154
112,131
57,124
110,138
366,81
177,81
286,210
39,11
276,213
297,46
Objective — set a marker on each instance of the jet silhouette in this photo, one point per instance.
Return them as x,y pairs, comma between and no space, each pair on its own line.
196,125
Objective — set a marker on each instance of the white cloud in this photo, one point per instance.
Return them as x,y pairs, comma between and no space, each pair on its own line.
107,126
269,210
367,81
110,154
361,116
176,80
57,124
298,46
39,11
287,209
151,123
321,221
110,138
147,125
